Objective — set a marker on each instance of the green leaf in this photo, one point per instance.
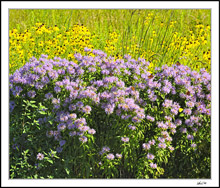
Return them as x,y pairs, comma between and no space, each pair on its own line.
42,112
34,106
50,161
181,115
67,171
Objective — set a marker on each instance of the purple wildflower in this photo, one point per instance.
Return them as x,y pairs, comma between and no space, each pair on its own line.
72,133
136,119
119,156
161,139
72,107
87,49
104,150
84,128
190,137
190,104
178,122
62,142
61,126
110,156
150,118
83,139
150,156
59,149
167,103
57,89
72,116
165,89
162,145
171,148
131,127
79,104
183,130
11,105
55,101
31,94
87,109
53,74
91,131
49,133
153,165
124,139
146,146
193,145
187,111
40,156
152,142
49,96
162,125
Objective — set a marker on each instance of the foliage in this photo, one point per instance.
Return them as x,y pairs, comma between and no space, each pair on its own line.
159,36
104,117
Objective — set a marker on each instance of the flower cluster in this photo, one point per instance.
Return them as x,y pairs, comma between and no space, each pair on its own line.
54,41
119,88
197,35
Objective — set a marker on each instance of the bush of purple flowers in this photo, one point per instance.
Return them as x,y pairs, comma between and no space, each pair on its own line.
102,117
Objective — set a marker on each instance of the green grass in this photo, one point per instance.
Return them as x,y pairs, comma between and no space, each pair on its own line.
127,23
107,19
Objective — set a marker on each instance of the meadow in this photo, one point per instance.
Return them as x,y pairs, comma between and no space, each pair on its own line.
110,93
160,36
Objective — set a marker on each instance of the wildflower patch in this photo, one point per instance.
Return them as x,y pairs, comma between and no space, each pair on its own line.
103,117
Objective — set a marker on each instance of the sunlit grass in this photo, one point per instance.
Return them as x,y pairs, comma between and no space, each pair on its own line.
161,36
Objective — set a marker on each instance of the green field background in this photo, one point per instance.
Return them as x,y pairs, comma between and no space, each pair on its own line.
148,33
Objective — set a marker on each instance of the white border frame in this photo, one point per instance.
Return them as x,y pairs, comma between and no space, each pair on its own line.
213,5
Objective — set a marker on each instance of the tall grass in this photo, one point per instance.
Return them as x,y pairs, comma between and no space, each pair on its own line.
149,33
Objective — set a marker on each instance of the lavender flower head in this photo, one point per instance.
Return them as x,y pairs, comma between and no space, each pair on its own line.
119,156
146,146
124,139
150,156
62,142
59,149
110,156
104,150
40,156
193,145
91,131
83,139
190,137
153,165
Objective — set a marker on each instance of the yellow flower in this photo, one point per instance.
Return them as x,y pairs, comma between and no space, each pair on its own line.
39,32
38,24
68,33
56,28
41,44
208,27
59,36
204,42
70,55
180,109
